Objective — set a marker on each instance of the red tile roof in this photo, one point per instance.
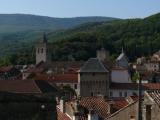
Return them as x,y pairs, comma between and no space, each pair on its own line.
134,98
134,86
59,78
6,68
19,86
119,68
119,103
61,115
97,104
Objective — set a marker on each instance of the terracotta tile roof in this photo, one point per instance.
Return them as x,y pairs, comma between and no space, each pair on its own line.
155,95
134,98
19,86
134,86
61,115
119,68
119,103
6,68
58,78
97,104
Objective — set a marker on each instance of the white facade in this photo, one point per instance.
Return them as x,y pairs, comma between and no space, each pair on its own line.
122,93
120,76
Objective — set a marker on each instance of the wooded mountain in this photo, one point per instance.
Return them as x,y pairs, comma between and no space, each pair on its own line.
137,36
19,31
23,22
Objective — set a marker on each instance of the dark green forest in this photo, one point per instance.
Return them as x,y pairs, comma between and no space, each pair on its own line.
138,37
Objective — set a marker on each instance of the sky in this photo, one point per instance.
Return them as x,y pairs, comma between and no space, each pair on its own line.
76,8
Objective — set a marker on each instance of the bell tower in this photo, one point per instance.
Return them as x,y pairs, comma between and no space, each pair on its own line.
41,50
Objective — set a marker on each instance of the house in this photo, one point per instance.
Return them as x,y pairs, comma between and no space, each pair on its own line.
152,66
60,80
27,87
98,108
129,89
120,75
156,56
15,106
151,105
10,73
93,79
127,112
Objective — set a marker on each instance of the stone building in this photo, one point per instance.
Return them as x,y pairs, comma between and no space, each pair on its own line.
151,105
42,50
93,78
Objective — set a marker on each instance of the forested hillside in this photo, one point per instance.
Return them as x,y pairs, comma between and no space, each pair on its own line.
20,31
137,36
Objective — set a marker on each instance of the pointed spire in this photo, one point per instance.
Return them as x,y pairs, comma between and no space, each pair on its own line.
44,38
122,50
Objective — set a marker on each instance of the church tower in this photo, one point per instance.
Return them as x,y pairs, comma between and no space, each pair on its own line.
41,50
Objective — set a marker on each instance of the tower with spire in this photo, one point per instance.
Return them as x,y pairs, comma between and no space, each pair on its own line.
42,50
122,60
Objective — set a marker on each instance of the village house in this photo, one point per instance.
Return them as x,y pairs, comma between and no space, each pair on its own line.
151,105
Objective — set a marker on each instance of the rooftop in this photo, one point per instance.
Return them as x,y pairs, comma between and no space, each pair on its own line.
93,65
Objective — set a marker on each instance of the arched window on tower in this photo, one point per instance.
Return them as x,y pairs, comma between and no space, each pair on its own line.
42,50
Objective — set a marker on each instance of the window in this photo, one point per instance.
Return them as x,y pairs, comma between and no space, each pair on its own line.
132,117
148,112
134,94
91,93
111,94
120,94
75,86
93,74
38,50
42,50
125,94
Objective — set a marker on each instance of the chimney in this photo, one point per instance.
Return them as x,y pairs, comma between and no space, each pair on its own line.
102,54
110,107
62,105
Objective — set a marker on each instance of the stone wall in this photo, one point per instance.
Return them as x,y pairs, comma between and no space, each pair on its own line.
94,83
